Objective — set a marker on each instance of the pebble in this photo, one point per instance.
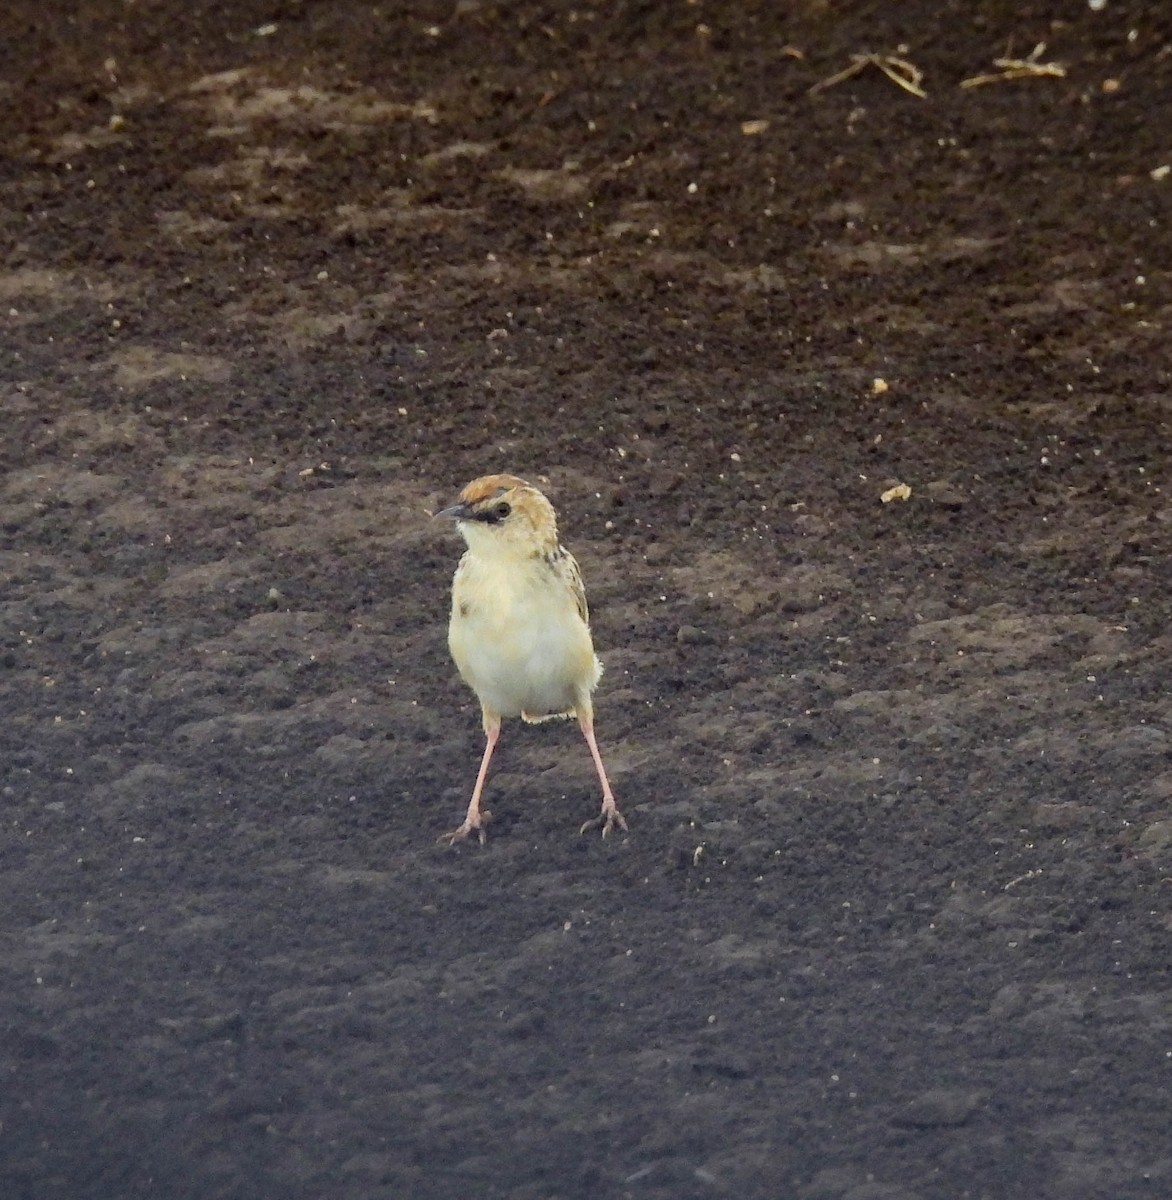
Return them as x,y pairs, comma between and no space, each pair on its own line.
945,494
692,635
1157,836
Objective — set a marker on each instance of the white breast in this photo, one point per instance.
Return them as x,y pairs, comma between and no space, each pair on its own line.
518,639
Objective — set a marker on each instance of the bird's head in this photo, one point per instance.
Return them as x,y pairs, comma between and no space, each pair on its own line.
503,516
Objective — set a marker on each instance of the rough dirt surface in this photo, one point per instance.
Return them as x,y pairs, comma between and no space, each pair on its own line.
892,920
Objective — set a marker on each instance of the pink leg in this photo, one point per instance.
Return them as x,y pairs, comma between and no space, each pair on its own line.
610,815
476,820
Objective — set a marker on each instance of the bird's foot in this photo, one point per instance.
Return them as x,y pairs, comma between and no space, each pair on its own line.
472,824
608,820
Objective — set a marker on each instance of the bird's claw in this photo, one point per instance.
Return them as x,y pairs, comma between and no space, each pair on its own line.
607,820
469,826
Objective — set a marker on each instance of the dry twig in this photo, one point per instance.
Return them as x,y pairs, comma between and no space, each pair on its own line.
901,72
1019,68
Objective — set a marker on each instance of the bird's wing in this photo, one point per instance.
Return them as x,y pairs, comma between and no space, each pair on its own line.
573,578
459,580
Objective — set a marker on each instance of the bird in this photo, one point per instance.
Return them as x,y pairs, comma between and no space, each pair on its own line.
520,629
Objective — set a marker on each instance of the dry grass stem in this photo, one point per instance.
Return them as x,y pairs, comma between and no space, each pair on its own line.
1019,68
901,72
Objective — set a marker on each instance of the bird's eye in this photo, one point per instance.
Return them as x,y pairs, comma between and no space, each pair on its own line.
502,510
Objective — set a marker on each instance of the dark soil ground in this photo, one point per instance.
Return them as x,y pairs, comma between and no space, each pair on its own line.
892,920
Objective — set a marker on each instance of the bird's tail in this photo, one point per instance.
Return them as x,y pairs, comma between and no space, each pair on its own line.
536,719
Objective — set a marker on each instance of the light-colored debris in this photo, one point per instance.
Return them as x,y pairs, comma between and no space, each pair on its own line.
902,73
1030,67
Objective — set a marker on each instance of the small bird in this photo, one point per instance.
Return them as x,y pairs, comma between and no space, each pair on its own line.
520,631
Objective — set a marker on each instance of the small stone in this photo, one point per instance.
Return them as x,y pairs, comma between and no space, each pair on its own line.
1055,816
941,492
1157,836
939,1108
524,1025
692,635
1009,1002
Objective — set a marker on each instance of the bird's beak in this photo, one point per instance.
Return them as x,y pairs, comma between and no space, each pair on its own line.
457,512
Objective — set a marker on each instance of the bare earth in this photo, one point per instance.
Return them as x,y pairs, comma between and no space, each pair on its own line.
892,921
